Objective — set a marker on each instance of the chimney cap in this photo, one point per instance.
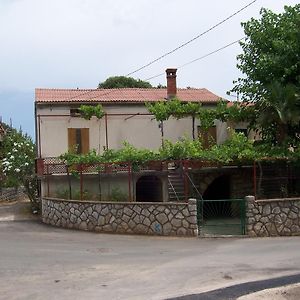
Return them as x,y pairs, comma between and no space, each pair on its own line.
171,71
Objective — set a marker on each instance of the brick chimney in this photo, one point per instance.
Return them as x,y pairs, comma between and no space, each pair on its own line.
171,83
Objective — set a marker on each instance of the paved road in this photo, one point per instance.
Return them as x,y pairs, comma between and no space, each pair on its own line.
42,262
249,289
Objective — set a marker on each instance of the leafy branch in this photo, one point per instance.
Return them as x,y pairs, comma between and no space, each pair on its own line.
88,111
237,149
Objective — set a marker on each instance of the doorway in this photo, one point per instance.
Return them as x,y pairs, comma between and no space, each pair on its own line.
149,189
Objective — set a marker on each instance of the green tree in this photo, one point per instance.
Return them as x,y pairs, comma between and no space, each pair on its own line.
270,63
123,82
17,163
279,114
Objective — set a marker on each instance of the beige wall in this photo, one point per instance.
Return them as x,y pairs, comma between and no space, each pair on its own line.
252,135
140,130
58,185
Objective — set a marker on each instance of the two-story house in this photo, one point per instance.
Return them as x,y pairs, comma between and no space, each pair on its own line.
59,127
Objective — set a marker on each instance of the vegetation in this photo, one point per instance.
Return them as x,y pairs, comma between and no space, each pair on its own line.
88,111
17,163
76,195
271,67
163,110
117,82
237,149
117,195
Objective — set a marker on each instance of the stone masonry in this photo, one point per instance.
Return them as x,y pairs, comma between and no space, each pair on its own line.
273,217
152,218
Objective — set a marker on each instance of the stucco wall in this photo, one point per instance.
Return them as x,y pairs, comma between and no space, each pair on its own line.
273,217
176,219
102,188
140,130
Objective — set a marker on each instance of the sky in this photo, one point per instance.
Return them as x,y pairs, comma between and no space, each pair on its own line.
79,43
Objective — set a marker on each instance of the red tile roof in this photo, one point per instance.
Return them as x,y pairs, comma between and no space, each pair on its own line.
128,95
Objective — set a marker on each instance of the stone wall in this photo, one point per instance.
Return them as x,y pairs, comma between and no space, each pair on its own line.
12,194
273,217
177,219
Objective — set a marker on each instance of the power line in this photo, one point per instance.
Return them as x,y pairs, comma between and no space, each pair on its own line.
192,40
199,58
213,52
170,52
155,76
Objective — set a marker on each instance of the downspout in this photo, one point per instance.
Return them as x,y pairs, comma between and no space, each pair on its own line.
161,125
35,130
106,132
39,137
37,152
193,129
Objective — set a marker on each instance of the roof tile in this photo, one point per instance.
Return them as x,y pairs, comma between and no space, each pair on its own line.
130,95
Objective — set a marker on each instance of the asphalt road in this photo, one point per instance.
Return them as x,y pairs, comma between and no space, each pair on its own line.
248,289
42,262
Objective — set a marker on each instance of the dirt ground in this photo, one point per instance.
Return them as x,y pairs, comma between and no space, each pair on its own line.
16,210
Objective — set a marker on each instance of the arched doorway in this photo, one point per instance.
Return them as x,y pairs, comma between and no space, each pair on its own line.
219,189
149,189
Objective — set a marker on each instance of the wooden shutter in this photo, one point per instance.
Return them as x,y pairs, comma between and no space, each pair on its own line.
79,140
85,140
208,136
71,139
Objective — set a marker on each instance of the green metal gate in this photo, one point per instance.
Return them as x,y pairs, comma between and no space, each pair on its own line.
221,217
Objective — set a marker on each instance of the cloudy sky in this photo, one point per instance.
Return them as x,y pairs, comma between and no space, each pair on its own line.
79,43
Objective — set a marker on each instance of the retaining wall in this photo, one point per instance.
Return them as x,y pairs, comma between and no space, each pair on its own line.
273,217
12,194
155,218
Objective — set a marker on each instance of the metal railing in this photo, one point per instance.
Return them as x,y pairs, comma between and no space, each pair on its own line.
170,183
194,186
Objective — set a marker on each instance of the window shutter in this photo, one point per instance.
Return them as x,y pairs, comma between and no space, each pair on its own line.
71,139
212,134
85,140
208,136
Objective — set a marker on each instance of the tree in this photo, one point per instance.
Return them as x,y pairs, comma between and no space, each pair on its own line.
271,64
17,163
278,114
123,82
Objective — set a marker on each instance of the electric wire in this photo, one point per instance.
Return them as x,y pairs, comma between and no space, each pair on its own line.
109,91
170,52
199,58
191,40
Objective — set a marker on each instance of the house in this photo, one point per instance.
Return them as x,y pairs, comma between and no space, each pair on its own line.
59,127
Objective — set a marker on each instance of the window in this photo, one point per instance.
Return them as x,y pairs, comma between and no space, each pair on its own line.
208,136
78,140
75,112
